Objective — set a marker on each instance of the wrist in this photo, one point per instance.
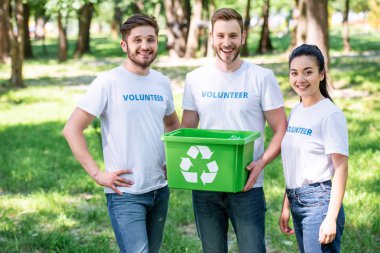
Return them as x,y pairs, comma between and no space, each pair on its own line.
95,175
263,161
285,207
331,217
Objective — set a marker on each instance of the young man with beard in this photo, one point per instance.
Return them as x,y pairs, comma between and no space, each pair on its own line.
233,94
135,106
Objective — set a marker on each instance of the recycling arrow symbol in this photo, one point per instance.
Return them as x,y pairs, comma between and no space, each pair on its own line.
186,164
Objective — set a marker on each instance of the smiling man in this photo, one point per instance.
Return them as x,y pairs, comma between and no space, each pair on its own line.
233,94
135,106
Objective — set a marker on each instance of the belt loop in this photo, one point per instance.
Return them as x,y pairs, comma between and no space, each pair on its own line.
323,185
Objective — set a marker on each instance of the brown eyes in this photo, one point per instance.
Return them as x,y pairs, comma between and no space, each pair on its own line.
139,40
222,36
306,73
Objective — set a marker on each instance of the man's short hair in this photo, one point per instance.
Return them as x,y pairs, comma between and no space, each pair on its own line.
226,14
137,20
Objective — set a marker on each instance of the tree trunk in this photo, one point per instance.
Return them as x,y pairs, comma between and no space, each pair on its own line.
84,17
4,31
28,53
193,37
293,26
137,6
157,9
17,42
247,22
265,44
211,10
301,23
345,28
317,29
116,20
186,5
62,40
40,32
177,27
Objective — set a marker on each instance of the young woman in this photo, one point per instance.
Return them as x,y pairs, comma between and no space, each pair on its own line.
314,149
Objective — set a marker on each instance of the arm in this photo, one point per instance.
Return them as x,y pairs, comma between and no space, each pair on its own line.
73,132
277,122
171,122
190,119
327,230
285,216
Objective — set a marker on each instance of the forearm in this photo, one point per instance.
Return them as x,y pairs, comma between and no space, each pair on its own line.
337,191
285,202
172,127
78,146
273,149
190,119
171,122
285,216
277,122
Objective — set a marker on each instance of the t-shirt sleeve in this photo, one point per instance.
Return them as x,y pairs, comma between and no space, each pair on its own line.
170,101
271,95
188,102
335,134
95,99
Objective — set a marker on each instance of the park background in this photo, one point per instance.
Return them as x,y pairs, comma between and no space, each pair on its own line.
51,50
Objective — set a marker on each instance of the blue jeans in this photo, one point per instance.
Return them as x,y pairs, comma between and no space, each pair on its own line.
138,219
309,206
246,210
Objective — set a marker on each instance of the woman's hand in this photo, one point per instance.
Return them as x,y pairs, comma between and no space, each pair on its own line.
327,231
284,222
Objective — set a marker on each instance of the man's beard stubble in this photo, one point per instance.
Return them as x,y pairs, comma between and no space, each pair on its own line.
143,65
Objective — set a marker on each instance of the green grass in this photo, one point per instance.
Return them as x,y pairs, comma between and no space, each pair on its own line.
49,204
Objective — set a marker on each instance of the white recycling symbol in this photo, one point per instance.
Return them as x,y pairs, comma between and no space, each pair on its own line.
192,177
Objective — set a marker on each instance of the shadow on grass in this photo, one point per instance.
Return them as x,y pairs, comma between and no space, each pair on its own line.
61,81
49,204
50,49
36,157
46,191
57,227
363,126
358,71
47,80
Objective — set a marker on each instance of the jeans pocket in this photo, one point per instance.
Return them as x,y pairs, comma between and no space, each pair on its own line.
309,199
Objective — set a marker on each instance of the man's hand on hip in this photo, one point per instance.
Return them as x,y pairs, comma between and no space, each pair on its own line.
113,179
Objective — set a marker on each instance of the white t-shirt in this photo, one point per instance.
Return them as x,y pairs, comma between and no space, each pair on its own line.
313,134
131,110
233,101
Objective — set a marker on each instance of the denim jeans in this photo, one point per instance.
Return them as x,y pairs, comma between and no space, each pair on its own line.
138,219
246,210
309,205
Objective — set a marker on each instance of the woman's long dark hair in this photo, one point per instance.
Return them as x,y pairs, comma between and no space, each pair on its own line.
312,50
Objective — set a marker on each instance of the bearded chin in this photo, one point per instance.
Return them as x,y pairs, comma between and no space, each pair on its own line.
143,64
238,49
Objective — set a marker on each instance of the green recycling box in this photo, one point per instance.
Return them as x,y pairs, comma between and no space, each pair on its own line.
210,160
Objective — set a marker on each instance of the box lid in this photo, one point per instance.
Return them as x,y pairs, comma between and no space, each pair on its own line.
207,136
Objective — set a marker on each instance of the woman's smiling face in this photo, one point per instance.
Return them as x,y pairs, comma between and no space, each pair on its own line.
304,77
